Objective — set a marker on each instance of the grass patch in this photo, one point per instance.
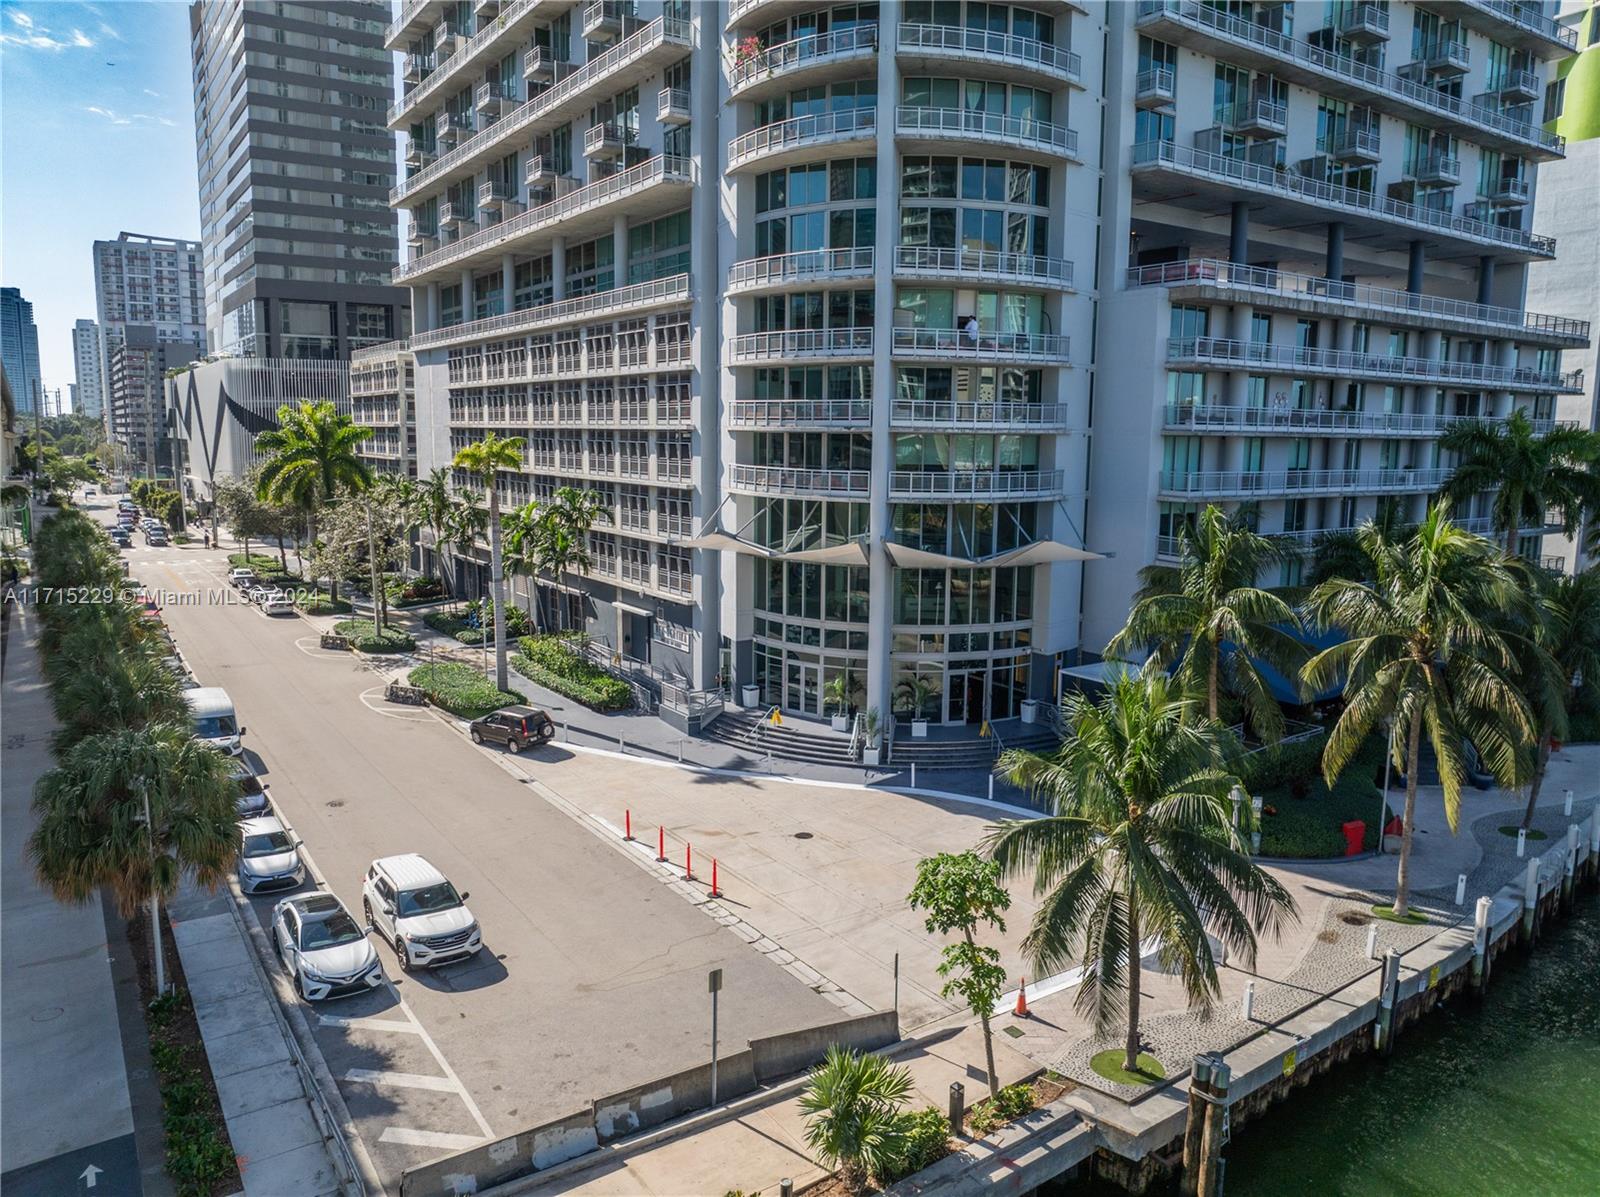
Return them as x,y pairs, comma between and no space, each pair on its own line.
555,664
317,602
453,626
255,561
461,689
364,638
1512,829
1410,919
1108,1064
1302,817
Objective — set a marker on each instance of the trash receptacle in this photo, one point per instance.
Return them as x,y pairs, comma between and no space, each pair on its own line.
1354,832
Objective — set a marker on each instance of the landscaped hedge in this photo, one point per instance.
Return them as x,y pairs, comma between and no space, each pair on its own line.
553,663
471,625
461,689
363,637
408,593
317,602
269,570
1310,825
255,561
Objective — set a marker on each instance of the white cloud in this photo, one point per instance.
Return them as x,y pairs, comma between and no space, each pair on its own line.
107,31
37,37
21,19
130,119
155,95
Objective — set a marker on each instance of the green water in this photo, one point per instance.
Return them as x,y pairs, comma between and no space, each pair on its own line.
1494,1098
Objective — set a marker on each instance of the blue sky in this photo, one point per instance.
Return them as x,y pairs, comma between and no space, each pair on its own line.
96,137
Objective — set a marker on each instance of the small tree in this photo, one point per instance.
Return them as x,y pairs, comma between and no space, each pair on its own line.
852,1107
959,891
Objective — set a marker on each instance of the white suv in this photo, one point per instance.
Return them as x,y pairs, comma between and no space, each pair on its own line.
411,904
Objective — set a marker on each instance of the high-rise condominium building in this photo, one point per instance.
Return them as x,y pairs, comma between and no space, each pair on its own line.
88,399
295,168
823,300
137,415
19,349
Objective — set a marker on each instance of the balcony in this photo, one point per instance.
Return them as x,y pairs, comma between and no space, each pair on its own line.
672,106
1002,55
1242,42
967,416
801,344
1196,178
492,98
1210,278
450,127
1443,57
1256,116
1508,192
633,299
604,20
786,480
418,235
1364,23
1438,170
799,413
994,128
807,267
819,57
650,189
539,64
976,484
606,141
802,138
1517,87
447,39
540,171
1221,353
1294,421
1156,88
983,265
415,16
456,217
1257,484
494,195
1359,144
486,10
417,157
1523,25
414,68
951,344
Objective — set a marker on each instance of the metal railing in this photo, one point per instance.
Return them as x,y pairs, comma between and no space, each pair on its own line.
465,56
983,263
649,173
797,53
802,342
800,266
1509,190
1531,19
376,351
914,483
1321,195
1364,19
914,120
785,413
1444,52
953,342
561,311
1356,141
1202,416
842,125
1158,82
958,40
1222,483
961,414
792,480
1382,84
1437,168
410,12
1263,280
672,103
1295,358
1255,110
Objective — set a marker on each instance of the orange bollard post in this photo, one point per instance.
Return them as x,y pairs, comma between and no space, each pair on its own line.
661,845
715,892
1021,1010
627,825
688,861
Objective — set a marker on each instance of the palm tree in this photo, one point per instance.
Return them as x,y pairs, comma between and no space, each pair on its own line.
1532,474
395,497
1566,631
1423,654
564,536
486,459
1138,842
434,508
134,811
309,457
132,688
523,554
1209,615
1338,553
852,1107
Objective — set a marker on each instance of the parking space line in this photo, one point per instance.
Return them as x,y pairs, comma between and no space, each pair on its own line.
405,1080
369,1024
444,1065
419,1138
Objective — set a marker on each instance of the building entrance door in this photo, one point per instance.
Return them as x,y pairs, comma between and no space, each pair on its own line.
967,689
802,690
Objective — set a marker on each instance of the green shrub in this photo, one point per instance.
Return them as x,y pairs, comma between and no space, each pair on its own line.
516,618
927,1134
256,561
316,602
1008,1105
444,622
554,664
404,593
364,637
470,636
461,689
1291,767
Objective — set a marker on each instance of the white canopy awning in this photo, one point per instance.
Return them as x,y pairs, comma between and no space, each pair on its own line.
1041,552
631,609
850,553
724,542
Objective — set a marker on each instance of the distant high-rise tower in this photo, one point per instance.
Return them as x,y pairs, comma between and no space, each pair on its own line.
19,348
88,397
295,167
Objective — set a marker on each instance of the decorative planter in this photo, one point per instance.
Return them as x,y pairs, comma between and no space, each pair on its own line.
749,696
871,756
840,723
919,729
1030,710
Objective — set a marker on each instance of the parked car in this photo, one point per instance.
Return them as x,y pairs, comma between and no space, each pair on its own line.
156,538
262,595
242,578
515,727
278,603
267,856
413,905
253,799
121,538
323,948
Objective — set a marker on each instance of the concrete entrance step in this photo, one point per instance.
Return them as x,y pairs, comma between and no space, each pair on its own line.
792,740
974,753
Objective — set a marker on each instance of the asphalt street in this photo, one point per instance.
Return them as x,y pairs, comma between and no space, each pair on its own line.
593,975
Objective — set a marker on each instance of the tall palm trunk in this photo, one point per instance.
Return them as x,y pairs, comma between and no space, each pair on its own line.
497,588
1213,682
1402,882
1511,525
1540,762
988,1040
1130,1051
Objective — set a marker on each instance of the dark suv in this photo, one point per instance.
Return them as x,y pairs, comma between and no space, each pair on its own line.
515,727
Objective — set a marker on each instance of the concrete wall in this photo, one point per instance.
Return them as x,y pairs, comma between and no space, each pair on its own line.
779,1055
651,1104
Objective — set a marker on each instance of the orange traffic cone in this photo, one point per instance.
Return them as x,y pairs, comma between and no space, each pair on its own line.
1021,1010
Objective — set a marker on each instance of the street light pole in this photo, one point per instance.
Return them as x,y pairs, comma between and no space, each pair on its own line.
714,983
155,893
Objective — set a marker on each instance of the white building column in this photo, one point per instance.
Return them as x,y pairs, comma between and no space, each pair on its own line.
433,306
558,268
508,274
466,297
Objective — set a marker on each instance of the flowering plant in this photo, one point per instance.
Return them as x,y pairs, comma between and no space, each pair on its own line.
747,50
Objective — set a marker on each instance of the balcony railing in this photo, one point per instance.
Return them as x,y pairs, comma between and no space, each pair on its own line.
1293,420
1328,63
449,68
1529,17
1051,348
802,266
958,41
1256,114
1508,191
1155,87
1291,359
801,343
797,413
1018,483
1357,143
1517,86
1438,168
1212,273
672,106
1319,194
845,124
1364,22
814,49
786,480
1445,56
561,311
986,264
945,413
409,12
652,172
1224,483
1025,132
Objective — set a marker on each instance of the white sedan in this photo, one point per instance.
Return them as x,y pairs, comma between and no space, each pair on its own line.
277,603
323,948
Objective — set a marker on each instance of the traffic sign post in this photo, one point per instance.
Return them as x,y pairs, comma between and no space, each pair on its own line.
714,984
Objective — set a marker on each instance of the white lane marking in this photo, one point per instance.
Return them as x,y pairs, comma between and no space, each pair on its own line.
444,1065
405,1080
367,1024
420,1138
369,699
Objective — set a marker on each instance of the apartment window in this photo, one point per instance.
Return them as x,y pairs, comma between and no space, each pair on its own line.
590,267
1300,453
1260,328
1294,515
1180,456
1352,454
1347,512
1254,455
659,248
1187,323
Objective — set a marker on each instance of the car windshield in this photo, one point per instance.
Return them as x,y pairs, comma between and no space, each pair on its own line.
338,928
428,899
210,727
268,843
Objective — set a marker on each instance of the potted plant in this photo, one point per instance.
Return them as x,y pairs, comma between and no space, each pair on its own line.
872,730
840,695
916,694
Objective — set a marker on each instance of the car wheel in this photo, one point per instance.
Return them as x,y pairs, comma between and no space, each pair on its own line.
513,746
366,913
405,956
477,736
